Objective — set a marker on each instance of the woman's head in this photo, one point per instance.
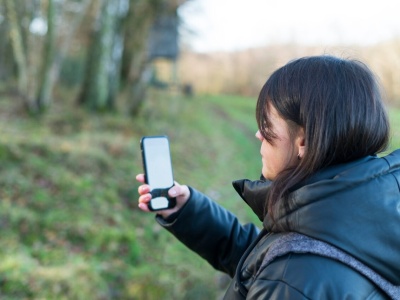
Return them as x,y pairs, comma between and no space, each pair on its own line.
334,104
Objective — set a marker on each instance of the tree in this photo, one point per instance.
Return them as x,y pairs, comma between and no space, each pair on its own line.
41,33
17,47
101,81
33,48
118,55
45,83
136,68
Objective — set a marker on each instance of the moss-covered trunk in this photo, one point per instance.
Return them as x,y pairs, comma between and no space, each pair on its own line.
45,85
95,90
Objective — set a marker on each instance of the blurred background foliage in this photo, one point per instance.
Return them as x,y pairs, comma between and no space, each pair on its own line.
68,198
99,47
80,82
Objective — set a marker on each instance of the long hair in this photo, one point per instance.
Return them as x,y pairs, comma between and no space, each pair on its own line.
338,104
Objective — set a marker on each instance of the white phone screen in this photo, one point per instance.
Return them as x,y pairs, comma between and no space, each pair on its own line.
157,162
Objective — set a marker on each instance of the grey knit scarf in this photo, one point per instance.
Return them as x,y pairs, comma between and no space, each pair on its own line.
298,243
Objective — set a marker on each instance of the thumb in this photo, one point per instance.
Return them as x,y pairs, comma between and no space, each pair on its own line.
178,190
175,191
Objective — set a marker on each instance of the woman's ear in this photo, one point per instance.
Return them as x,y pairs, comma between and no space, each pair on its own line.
300,143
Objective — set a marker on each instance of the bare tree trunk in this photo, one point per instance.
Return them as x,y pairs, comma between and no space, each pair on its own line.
116,52
6,54
17,46
138,90
135,70
94,92
45,84
101,81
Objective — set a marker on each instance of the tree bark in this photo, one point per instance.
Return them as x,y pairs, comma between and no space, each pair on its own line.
117,48
101,81
135,64
45,84
17,46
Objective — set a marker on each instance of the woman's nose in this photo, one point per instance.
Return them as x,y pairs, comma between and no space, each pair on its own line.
259,136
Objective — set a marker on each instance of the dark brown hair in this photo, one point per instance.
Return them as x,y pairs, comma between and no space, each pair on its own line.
337,102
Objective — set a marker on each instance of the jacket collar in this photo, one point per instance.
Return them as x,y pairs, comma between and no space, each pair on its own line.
255,193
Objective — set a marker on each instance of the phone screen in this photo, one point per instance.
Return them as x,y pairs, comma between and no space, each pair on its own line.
158,168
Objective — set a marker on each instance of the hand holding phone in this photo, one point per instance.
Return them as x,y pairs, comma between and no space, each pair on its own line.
158,171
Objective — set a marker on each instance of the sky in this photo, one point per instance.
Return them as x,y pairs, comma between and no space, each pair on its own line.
229,25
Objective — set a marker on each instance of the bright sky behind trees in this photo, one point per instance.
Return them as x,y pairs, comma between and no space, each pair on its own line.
227,25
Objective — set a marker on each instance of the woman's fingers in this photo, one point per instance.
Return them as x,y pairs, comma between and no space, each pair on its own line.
144,201
140,178
180,192
144,189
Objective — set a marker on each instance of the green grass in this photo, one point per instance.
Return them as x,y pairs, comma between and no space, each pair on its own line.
394,115
68,198
70,226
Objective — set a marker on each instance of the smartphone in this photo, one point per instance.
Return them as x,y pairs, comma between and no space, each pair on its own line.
158,172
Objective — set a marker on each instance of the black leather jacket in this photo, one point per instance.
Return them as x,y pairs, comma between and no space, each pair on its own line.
354,206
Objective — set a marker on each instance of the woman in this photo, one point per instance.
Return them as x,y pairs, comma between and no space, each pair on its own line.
321,123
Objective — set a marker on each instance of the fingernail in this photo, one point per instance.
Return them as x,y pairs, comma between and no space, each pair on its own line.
172,192
142,205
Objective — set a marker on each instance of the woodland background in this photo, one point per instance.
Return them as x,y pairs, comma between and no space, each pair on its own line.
79,86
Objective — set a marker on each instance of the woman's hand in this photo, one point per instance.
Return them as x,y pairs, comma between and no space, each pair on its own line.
180,192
